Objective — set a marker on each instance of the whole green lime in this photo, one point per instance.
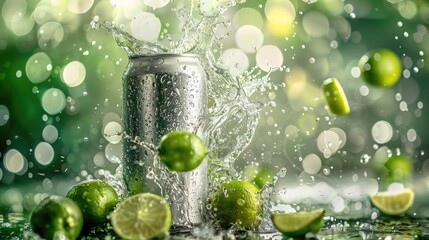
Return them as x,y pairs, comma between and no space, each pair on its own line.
399,169
381,67
182,151
237,203
56,217
95,198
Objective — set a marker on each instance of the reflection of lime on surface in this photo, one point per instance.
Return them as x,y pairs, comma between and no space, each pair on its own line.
400,168
300,223
335,97
380,67
142,216
56,217
95,198
262,177
237,203
393,204
182,151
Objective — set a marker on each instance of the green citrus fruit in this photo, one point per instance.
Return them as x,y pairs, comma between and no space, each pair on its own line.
142,216
335,97
56,217
300,223
237,203
399,169
95,198
380,67
182,151
393,204
262,177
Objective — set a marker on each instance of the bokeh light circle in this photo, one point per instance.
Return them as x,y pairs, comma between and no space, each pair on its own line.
79,6
156,3
38,67
111,131
312,164
236,61
280,12
269,56
44,153
382,132
113,153
4,115
50,35
14,161
145,26
315,24
249,38
50,134
53,101
73,74
248,16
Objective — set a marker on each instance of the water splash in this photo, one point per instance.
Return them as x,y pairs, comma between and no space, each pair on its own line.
232,117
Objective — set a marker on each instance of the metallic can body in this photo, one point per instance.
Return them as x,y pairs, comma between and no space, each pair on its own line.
163,93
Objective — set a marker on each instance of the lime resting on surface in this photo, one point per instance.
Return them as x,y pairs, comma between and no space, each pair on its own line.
57,217
298,224
95,198
237,204
141,216
393,204
182,151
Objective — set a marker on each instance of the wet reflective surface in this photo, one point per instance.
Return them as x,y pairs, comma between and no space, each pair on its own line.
15,226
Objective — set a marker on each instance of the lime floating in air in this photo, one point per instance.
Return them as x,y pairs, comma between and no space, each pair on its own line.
380,67
182,151
142,216
237,204
335,97
399,169
300,223
57,217
95,198
393,204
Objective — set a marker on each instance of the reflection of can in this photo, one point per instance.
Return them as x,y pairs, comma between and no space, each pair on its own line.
163,93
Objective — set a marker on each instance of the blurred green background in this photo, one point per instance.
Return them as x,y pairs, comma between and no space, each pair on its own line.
60,88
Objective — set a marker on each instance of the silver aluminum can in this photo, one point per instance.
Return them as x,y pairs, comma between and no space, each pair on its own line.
163,93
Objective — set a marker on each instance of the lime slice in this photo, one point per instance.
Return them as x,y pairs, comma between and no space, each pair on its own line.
95,198
182,151
393,204
237,204
335,97
299,223
142,216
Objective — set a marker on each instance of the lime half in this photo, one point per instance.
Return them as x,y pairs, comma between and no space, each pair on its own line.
393,204
142,216
299,223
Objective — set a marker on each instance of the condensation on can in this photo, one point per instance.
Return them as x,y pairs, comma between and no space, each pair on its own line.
163,93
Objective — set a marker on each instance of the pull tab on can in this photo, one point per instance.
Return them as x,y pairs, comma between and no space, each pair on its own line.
163,93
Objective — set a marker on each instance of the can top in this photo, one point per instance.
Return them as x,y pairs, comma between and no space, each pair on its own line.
163,56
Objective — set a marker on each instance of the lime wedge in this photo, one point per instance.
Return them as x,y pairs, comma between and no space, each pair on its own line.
393,204
335,97
299,223
142,216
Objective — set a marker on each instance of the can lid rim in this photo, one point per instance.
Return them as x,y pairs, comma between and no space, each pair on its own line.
164,55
